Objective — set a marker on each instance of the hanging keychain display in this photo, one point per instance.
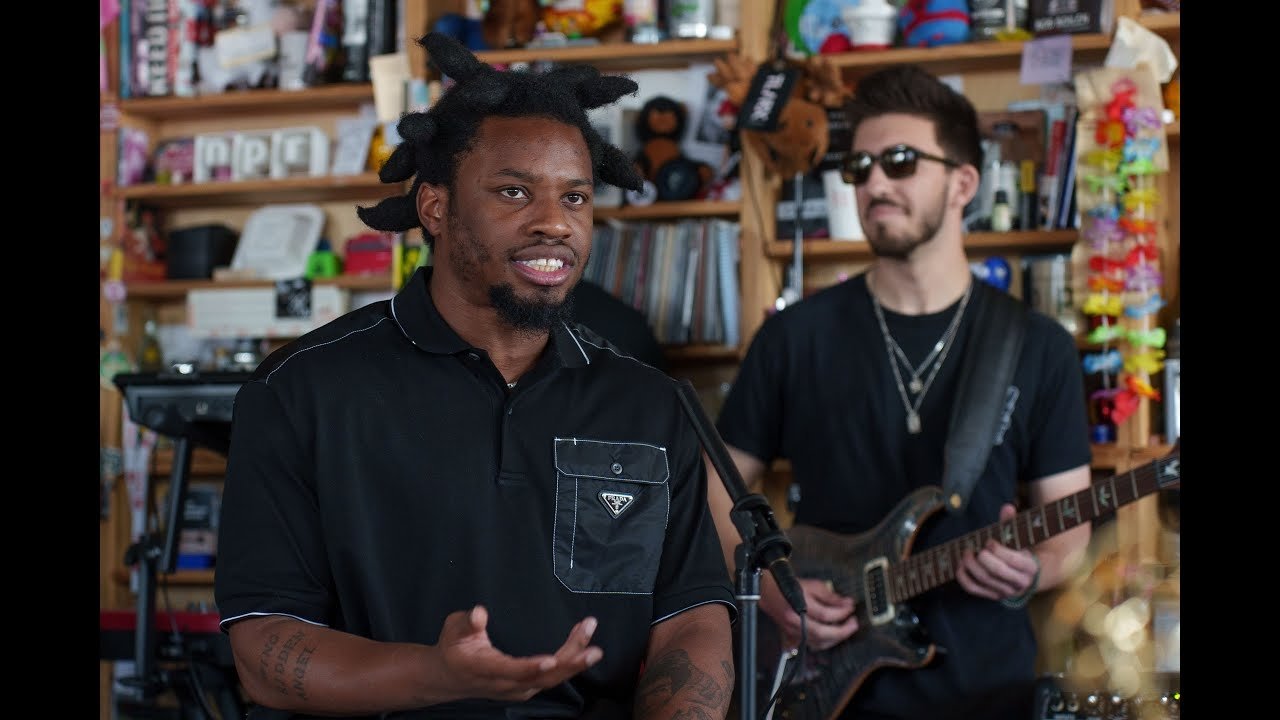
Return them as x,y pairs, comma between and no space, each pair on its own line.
1121,149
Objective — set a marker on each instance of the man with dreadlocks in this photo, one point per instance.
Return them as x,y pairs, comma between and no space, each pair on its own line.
458,502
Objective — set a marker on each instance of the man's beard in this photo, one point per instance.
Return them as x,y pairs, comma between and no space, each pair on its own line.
900,247
537,315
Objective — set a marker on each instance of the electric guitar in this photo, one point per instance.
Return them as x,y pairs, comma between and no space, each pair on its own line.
873,567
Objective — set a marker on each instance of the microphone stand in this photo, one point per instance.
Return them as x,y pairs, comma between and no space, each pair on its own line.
794,288
763,545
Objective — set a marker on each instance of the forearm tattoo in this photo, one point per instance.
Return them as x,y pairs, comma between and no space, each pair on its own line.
275,666
674,681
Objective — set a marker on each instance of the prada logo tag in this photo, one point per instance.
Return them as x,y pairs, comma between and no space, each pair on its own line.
616,502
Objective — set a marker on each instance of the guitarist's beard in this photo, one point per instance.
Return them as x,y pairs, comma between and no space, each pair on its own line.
898,243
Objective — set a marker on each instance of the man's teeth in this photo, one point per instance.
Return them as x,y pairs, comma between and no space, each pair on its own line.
544,264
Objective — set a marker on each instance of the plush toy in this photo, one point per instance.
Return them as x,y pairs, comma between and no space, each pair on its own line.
803,130
509,23
931,23
811,23
659,128
581,18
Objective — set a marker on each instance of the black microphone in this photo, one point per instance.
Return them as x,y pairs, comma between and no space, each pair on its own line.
752,514
788,584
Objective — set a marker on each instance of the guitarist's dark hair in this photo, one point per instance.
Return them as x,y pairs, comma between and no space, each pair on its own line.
911,90
433,142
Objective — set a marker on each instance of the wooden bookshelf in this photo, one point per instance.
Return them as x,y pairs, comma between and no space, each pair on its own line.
204,463
613,55
1110,456
181,577
368,186
688,354
249,102
179,288
259,192
961,57
969,57
664,210
1033,241
1165,24
1106,456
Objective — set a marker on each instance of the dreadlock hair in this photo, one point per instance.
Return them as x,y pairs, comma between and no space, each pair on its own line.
433,142
911,90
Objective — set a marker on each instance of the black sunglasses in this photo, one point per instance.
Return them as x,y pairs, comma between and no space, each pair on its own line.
897,162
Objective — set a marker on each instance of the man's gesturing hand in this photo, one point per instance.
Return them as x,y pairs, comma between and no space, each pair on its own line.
479,670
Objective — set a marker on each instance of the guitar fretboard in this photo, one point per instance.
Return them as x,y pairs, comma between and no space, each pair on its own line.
937,565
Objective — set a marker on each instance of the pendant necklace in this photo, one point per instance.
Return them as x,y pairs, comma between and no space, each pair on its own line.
936,357
915,385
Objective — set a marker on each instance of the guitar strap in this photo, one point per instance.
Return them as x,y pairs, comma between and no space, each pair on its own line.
985,375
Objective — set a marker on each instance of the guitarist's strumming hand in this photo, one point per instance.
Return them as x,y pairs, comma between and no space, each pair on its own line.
997,572
829,616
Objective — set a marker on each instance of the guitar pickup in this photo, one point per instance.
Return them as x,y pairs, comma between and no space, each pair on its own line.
875,579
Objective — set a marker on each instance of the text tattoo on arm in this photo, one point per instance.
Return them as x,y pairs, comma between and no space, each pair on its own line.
274,667
673,677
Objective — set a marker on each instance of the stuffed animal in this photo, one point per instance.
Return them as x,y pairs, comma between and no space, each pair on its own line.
803,131
931,23
581,18
509,23
659,128
811,23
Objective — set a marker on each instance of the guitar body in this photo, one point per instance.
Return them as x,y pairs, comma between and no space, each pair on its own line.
888,635
878,570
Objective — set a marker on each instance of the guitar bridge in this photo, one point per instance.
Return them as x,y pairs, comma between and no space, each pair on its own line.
875,579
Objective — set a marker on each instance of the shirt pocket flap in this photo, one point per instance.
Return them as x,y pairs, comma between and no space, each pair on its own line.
615,461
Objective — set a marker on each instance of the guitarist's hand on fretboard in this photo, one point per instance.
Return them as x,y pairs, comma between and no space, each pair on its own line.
998,572
829,621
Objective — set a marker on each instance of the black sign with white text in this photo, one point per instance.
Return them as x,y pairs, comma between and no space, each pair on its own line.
770,90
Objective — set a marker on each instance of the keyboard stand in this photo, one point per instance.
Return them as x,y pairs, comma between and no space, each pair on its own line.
154,554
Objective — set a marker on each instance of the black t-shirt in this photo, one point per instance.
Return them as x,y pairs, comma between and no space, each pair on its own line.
816,387
381,476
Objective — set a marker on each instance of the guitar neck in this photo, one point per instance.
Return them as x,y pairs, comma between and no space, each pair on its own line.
937,565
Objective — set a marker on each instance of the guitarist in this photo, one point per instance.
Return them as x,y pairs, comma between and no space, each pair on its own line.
855,386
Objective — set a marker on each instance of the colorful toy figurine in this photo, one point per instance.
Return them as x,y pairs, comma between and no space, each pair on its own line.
931,23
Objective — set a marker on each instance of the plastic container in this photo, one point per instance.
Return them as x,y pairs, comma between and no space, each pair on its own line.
194,252
278,239
1001,213
871,23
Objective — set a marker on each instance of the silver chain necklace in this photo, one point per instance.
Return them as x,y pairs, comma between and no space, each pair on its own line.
914,385
939,349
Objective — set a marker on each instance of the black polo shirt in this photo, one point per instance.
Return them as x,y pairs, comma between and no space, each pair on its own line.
381,476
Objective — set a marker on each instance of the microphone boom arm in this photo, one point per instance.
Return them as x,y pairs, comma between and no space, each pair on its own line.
766,544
